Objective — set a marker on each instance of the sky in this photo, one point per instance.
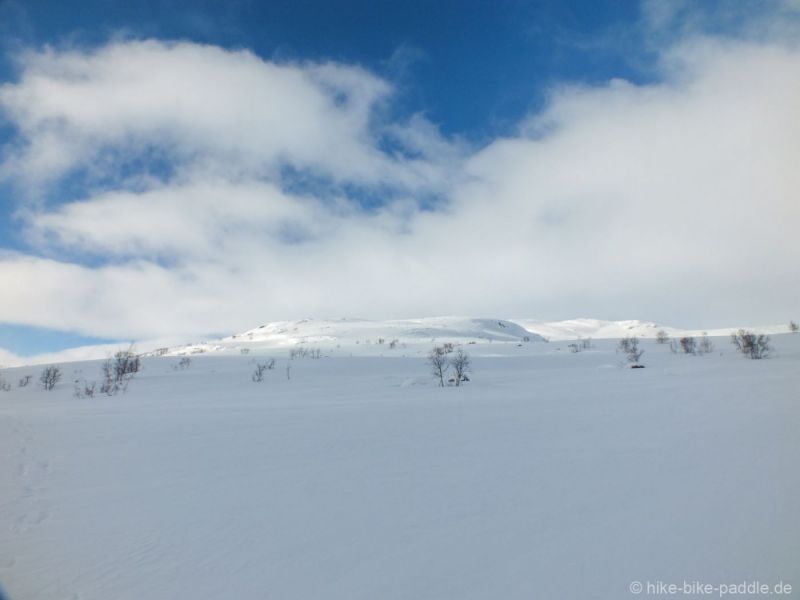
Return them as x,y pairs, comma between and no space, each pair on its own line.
185,169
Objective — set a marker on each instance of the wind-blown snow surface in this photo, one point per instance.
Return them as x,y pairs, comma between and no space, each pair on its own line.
549,475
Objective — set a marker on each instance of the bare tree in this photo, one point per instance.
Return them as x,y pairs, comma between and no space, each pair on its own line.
126,362
84,389
108,385
258,374
662,337
688,345
793,326
752,345
24,381
634,353
49,377
303,352
437,359
461,364
706,346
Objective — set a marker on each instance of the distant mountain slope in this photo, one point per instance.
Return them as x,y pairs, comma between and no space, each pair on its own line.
364,333
594,328
372,338
599,329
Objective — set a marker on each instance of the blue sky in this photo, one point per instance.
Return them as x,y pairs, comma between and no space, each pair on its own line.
475,67
358,131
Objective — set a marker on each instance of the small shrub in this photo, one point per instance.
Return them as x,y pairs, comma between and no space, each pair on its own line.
793,327
303,352
5,386
258,374
662,337
752,345
24,381
437,359
118,371
126,363
574,348
49,377
183,363
461,365
706,346
84,389
688,345
630,346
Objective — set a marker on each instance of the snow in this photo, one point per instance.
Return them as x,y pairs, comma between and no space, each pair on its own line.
598,329
549,475
365,337
360,337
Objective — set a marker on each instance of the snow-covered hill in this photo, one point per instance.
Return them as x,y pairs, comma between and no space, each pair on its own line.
371,337
599,329
363,336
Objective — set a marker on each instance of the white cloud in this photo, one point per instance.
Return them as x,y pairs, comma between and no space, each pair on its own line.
673,201
229,110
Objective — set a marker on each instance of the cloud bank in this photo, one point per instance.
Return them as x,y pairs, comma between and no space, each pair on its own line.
180,189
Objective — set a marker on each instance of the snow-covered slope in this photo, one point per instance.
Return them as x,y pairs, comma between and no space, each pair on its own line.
549,475
363,336
599,329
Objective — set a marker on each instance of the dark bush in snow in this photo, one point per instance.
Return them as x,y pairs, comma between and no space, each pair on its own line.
705,346
688,345
258,374
303,352
440,363
126,363
437,359
118,372
752,345
84,389
630,346
49,377
461,364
